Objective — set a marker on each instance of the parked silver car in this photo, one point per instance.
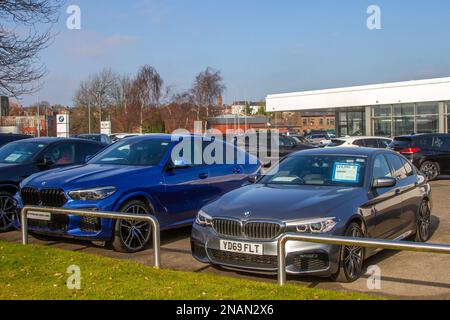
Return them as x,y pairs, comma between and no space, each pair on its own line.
354,192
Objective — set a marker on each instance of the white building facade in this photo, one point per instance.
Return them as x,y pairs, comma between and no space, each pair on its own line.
389,109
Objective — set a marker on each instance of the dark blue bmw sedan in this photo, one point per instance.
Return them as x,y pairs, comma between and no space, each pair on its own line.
142,175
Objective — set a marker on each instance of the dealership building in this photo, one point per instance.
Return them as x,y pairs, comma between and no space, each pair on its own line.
389,109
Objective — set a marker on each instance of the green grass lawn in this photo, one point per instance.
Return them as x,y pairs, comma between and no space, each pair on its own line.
39,272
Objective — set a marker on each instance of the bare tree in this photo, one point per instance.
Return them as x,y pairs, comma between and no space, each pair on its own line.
208,86
20,43
147,87
99,92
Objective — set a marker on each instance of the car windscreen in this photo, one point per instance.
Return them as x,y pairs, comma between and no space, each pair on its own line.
319,170
133,153
20,152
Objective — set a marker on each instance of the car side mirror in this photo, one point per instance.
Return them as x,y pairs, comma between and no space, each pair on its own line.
45,162
180,164
384,183
253,178
267,165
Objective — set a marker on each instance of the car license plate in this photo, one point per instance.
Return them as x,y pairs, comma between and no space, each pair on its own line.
41,216
242,247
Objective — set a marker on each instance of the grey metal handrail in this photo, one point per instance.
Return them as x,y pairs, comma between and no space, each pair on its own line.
97,214
354,242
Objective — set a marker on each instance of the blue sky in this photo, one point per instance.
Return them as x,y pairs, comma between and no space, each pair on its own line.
261,46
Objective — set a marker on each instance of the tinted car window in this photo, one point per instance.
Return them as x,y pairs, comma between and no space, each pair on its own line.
88,150
20,152
134,153
402,142
381,168
408,168
431,141
5,139
336,143
319,136
62,154
438,142
397,165
359,143
92,137
372,143
383,143
446,143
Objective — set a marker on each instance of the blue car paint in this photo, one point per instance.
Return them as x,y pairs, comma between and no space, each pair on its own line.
174,196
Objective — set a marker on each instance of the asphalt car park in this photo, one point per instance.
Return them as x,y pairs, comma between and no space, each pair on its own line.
405,275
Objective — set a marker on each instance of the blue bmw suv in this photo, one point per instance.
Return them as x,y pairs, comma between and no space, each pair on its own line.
137,175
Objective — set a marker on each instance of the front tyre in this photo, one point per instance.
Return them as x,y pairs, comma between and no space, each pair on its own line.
351,258
7,211
132,236
423,232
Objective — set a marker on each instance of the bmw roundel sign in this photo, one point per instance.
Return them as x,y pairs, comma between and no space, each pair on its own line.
61,119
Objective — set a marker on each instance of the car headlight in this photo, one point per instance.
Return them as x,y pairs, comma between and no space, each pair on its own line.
92,194
322,225
203,219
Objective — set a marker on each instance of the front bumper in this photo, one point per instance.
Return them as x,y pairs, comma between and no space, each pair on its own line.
72,226
302,258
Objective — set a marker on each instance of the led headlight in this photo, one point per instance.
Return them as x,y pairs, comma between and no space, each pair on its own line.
203,219
322,225
92,194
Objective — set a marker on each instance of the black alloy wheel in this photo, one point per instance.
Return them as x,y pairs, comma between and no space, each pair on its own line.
7,211
423,233
431,170
352,258
132,236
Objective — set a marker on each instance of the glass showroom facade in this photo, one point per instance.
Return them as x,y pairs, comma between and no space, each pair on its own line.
382,120
351,122
387,109
402,119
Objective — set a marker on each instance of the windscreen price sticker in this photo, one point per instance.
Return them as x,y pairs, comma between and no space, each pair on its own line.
346,172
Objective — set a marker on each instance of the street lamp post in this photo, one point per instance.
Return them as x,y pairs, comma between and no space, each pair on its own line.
89,117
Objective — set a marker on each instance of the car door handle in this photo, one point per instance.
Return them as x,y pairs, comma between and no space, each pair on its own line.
237,170
398,192
203,176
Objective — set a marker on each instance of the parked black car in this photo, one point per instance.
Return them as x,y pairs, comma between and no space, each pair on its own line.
102,138
21,159
285,146
6,138
430,153
289,145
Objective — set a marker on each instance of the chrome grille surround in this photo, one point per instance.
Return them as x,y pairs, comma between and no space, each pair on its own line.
251,230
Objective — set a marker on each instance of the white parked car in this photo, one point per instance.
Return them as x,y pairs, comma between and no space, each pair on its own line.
319,138
367,142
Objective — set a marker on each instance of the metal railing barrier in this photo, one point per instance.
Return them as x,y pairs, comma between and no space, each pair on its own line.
353,242
97,214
